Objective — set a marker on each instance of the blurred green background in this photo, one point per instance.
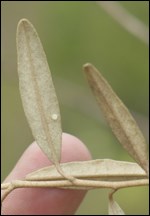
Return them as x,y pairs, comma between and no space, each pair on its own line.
72,34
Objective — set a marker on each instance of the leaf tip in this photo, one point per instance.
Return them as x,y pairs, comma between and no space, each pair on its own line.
19,26
90,71
22,23
87,67
23,20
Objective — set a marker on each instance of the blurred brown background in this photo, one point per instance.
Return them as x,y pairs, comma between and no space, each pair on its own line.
72,34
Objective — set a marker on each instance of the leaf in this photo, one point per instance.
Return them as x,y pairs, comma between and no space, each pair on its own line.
113,207
37,91
102,169
120,120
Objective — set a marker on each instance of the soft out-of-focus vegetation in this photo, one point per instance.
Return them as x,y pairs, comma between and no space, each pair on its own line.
72,34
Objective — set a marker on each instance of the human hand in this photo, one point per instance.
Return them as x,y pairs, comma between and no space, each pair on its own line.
45,201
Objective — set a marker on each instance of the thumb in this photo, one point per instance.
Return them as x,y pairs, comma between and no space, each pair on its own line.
45,201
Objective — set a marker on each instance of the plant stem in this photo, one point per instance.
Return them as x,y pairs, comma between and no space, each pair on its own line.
66,184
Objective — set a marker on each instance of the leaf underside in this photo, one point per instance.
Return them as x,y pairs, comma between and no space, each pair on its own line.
119,118
102,169
37,91
113,207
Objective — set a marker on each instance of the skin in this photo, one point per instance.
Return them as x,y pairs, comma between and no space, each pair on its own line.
45,201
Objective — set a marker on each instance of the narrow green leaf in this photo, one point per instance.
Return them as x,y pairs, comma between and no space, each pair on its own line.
102,169
37,91
120,120
113,207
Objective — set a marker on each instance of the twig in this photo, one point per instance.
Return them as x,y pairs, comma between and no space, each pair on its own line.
77,184
129,22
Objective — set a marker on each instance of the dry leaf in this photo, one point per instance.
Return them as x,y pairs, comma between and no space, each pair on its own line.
120,120
113,207
37,91
100,169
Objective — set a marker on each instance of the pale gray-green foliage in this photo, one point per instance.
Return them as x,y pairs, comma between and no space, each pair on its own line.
42,111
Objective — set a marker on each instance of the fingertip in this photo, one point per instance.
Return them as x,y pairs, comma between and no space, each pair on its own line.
45,200
73,149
